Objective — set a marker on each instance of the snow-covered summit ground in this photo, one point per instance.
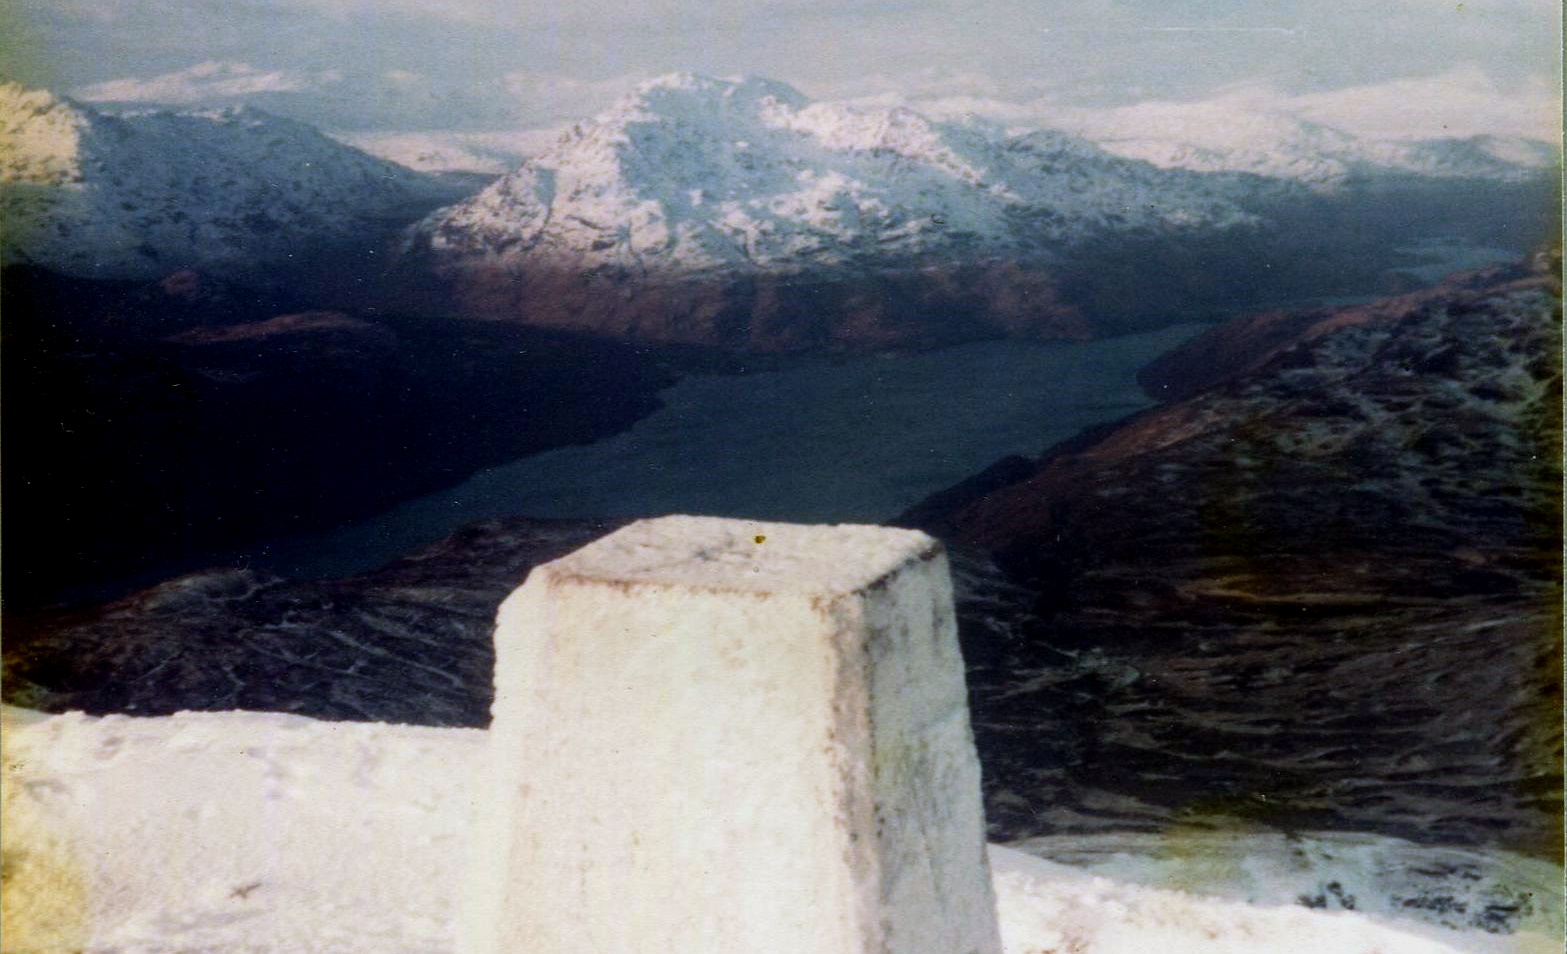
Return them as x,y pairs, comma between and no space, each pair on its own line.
212,833
142,193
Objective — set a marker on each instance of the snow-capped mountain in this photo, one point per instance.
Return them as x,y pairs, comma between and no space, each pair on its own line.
1232,135
139,195
691,183
699,173
1497,158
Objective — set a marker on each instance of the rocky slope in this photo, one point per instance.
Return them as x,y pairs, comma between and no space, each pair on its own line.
409,643
1320,590
141,194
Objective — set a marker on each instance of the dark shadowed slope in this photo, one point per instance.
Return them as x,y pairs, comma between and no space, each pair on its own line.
147,425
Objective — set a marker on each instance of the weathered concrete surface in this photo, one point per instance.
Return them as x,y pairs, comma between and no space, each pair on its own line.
720,736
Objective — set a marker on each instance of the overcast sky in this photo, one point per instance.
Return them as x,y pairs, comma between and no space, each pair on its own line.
491,63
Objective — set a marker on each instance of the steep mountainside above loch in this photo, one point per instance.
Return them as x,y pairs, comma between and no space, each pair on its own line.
1322,589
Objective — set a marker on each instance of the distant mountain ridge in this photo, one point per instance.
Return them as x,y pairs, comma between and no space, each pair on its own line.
142,194
1225,136
740,213
703,173
1228,133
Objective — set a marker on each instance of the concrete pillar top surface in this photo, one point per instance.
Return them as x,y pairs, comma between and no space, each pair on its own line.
715,553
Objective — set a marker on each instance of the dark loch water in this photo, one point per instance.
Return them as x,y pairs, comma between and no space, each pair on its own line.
828,440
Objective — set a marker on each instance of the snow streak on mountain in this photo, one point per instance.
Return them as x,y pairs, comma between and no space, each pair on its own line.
139,195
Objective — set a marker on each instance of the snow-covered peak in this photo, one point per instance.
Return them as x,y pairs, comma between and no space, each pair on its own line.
40,136
1235,134
1220,136
143,193
699,105
700,173
738,211
683,93
1506,159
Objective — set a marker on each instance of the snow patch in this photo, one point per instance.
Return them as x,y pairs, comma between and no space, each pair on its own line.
256,832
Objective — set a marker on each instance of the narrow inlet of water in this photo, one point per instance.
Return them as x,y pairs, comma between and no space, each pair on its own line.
828,440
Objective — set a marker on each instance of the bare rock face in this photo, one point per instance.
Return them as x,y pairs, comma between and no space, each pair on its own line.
1322,591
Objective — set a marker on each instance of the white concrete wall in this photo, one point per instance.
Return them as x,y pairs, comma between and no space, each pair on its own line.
725,736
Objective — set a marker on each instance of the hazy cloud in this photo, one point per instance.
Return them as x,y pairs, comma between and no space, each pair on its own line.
552,99
1461,102
206,81
469,62
335,100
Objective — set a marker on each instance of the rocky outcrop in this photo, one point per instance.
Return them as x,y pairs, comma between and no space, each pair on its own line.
1246,344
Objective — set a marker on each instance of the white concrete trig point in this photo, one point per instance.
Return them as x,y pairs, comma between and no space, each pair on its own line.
726,737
